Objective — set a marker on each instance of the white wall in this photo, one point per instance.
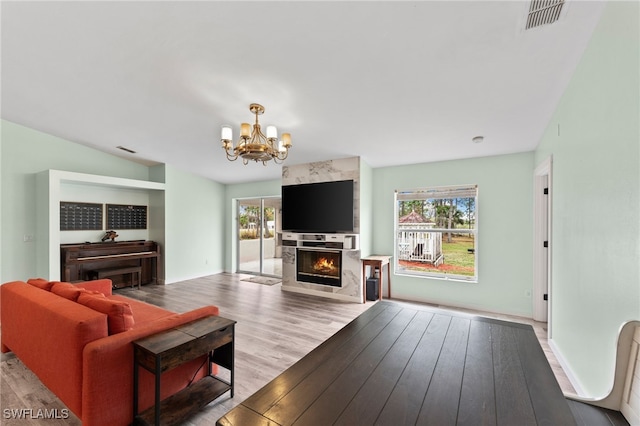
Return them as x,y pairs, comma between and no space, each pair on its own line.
594,140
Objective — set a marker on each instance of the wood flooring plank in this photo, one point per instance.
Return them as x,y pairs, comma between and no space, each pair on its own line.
365,407
440,405
296,401
28,400
244,416
589,415
513,404
546,396
328,406
404,403
477,397
295,325
271,393
275,329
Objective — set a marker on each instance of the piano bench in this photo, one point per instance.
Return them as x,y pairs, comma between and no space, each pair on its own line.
110,272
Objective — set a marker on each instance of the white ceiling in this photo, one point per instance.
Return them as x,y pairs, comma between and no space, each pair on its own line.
392,82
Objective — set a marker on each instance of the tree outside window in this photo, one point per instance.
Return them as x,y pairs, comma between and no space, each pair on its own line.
250,218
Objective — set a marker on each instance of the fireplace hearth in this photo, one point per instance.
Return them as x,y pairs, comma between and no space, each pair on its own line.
319,266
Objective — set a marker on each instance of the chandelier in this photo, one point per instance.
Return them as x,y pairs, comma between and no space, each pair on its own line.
255,145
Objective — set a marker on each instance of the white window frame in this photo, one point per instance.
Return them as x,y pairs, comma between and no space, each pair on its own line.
442,192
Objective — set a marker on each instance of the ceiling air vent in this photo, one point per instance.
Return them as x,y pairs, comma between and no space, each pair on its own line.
130,151
542,12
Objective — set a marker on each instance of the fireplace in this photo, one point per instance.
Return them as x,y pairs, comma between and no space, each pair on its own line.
319,266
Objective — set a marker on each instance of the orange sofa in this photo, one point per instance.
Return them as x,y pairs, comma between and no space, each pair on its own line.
69,347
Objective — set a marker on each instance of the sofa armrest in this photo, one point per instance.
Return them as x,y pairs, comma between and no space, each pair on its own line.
104,286
107,390
48,334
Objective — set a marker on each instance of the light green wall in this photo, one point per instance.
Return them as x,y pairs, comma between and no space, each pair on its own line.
195,228
189,212
157,214
366,209
505,229
269,188
26,152
596,185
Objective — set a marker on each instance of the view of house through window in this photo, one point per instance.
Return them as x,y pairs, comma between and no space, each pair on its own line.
436,232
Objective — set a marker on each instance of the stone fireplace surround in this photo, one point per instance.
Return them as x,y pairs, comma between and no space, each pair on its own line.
321,266
312,250
347,244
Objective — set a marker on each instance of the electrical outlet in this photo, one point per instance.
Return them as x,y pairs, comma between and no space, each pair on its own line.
28,238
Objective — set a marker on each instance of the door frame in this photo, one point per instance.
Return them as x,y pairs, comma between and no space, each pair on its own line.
542,283
261,249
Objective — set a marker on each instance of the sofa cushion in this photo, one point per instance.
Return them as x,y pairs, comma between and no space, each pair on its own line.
67,290
142,312
103,286
119,314
41,283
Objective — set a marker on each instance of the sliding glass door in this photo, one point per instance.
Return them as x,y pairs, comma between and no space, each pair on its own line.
259,236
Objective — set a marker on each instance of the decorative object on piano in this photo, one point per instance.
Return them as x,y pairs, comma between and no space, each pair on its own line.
80,216
255,145
110,235
124,216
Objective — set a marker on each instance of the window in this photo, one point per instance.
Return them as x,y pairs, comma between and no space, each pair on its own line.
436,232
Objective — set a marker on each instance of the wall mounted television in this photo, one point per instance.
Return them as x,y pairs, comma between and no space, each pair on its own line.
319,208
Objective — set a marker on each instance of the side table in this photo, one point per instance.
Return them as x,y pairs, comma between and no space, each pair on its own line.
161,352
376,261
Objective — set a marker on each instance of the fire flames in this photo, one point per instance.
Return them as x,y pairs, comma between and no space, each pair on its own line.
324,265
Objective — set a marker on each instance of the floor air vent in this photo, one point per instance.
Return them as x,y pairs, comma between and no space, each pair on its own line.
543,12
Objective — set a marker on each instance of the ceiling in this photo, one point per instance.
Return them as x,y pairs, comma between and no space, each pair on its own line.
393,82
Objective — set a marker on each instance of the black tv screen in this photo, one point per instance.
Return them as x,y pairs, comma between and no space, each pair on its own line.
325,207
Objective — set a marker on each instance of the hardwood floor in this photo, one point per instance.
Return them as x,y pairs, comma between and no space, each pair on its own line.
274,330
401,364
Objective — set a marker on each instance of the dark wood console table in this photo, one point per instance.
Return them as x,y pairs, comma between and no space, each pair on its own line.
163,351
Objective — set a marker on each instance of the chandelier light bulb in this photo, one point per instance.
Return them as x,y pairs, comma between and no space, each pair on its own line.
286,140
272,132
245,130
227,133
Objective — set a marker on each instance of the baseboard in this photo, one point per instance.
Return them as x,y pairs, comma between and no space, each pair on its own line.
566,368
327,295
478,309
187,278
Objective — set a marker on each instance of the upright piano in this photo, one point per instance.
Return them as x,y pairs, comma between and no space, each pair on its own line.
80,262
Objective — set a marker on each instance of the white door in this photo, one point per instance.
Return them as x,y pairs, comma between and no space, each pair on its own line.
542,243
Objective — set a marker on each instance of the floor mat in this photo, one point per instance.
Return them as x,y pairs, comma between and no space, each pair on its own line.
263,280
